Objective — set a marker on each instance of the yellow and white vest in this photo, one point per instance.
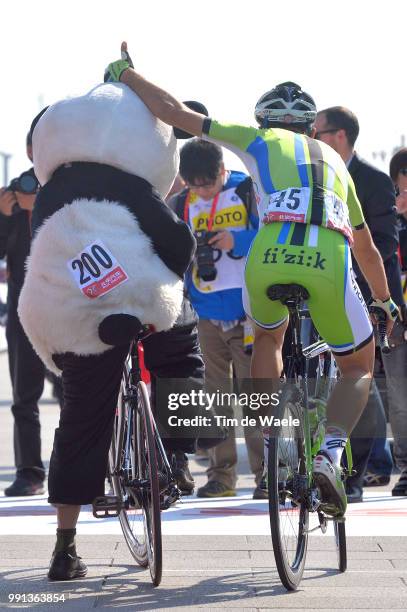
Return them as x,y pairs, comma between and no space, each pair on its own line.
230,215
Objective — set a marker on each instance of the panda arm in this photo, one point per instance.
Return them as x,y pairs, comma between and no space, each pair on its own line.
163,105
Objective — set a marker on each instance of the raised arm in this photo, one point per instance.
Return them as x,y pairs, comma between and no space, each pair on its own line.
160,102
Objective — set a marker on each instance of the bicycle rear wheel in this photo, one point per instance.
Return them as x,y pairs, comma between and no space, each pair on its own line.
287,486
340,541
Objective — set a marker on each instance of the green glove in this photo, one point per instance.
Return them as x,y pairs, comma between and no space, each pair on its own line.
114,71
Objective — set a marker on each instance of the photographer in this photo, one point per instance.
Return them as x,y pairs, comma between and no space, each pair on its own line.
26,369
219,206
398,173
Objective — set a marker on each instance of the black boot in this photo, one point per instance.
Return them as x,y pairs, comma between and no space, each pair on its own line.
65,563
65,566
180,469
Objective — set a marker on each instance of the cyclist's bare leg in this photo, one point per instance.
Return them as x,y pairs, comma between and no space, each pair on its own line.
267,361
350,394
67,515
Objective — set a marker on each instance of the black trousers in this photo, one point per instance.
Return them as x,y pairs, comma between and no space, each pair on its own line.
91,386
27,379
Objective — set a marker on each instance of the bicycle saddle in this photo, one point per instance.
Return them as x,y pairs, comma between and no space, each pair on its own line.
119,329
287,292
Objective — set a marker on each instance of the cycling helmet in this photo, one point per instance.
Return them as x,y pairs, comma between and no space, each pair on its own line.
285,104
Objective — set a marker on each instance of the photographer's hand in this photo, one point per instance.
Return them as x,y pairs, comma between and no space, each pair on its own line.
223,240
25,200
7,201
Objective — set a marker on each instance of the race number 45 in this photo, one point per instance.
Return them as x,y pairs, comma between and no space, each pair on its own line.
288,205
96,271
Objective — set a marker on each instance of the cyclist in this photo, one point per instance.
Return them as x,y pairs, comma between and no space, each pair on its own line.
309,217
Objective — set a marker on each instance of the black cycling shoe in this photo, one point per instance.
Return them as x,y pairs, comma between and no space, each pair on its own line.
65,566
22,487
182,475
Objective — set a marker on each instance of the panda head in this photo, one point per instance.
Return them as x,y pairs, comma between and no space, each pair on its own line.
109,125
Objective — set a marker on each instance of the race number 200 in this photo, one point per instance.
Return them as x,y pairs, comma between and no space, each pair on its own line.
96,270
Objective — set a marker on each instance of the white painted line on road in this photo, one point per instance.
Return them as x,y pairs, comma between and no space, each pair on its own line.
379,515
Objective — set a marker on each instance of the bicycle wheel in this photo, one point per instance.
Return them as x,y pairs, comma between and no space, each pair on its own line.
148,472
123,466
340,540
287,486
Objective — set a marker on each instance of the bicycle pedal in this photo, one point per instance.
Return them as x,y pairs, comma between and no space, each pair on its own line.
106,506
169,498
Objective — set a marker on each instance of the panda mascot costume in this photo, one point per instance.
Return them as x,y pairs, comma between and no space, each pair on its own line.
107,253
107,256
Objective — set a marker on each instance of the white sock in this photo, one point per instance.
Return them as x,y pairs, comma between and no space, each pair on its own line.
334,443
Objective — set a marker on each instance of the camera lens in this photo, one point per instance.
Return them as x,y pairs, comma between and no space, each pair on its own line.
27,183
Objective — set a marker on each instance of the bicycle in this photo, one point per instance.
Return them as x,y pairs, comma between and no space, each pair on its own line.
293,495
138,470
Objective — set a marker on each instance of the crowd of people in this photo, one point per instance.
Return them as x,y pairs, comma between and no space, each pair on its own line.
221,313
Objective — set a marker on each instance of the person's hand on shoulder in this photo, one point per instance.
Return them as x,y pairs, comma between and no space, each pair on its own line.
7,201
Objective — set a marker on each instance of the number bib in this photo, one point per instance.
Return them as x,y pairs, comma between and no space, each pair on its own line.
288,205
337,216
96,271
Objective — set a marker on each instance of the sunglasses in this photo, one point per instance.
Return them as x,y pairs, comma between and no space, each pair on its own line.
330,131
403,171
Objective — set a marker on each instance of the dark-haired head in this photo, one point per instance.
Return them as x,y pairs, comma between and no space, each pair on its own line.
341,118
398,163
200,159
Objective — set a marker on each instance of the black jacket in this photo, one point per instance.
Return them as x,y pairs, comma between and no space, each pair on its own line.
376,193
15,240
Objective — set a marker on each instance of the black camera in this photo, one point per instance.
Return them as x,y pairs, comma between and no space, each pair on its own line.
205,256
26,183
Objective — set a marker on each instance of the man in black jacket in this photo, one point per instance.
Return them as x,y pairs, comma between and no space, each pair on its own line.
339,128
26,369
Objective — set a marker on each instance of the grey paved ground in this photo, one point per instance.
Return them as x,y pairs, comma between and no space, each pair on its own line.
212,573
200,572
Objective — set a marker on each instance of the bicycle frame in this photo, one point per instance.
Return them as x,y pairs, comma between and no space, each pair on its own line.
325,379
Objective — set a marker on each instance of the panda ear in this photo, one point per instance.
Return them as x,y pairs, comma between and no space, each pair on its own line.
198,108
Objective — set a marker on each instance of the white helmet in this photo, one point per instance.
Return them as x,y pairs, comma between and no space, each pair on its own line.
285,104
